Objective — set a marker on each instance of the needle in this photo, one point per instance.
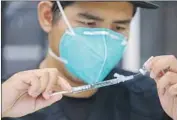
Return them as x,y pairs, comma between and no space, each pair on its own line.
118,78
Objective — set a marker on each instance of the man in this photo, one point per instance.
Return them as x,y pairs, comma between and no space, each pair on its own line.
92,26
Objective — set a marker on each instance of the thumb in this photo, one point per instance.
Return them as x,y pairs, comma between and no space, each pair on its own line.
54,99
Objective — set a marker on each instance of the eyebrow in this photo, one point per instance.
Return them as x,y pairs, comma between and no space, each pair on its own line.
97,18
90,16
122,21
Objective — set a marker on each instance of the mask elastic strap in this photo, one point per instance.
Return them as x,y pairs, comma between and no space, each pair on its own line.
56,57
65,18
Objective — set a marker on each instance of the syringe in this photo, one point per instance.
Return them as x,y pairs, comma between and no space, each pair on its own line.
118,78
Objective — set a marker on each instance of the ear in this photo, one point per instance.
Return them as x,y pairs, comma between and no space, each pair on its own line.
45,15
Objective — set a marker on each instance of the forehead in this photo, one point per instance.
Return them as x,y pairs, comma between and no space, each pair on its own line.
117,10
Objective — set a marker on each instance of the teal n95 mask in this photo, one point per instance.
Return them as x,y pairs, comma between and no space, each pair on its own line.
89,54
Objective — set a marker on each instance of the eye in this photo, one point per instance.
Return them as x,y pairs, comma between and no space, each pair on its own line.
89,24
119,28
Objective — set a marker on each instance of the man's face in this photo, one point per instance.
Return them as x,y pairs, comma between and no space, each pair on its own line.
112,15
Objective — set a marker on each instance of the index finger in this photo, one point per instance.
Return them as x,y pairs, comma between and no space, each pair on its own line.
64,84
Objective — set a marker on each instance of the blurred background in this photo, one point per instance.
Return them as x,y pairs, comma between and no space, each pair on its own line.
24,44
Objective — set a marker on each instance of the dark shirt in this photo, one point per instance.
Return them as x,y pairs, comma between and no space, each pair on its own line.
133,100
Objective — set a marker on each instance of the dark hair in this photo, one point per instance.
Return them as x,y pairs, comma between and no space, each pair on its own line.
64,4
55,8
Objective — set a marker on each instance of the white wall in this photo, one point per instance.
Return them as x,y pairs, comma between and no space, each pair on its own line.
131,60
